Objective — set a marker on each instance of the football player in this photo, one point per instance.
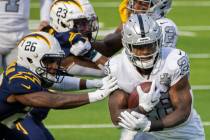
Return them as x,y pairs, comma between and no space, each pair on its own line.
155,8
14,17
73,24
169,115
38,60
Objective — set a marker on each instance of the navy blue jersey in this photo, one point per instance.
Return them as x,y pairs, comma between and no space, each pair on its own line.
67,39
16,80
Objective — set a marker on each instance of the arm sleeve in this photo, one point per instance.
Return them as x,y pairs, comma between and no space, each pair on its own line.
68,83
45,9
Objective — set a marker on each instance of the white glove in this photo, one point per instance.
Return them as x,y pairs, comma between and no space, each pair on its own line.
134,121
148,100
80,48
109,85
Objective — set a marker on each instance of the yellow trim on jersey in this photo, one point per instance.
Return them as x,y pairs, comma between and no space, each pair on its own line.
26,76
123,11
10,68
17,126
8,71
51,31
72,36
21,128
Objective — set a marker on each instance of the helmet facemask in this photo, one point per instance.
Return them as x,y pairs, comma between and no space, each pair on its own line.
50,70
139,6
142,39
88,27
143,56
155,8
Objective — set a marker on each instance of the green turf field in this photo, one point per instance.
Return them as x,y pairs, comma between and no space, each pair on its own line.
194,22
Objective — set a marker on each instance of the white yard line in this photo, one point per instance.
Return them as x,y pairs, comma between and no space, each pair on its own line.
116,4
195,28
66,126
199,56
87,126
201,87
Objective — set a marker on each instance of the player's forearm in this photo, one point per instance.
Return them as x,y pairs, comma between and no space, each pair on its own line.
44,9
53,100
101,61
175,118
110,45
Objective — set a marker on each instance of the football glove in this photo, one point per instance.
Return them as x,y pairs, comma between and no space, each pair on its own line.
109,85
80,45
134,121
148,100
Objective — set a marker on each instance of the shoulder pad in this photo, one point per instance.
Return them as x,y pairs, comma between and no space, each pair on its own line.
24,82
111,65
177,64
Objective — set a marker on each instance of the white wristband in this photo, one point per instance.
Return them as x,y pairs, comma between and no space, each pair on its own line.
92,97
94,83
98,55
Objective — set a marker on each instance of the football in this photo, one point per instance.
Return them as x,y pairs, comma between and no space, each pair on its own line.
133,99
145,86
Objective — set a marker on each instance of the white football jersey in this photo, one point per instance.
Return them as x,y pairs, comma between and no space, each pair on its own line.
170,32
14,14
169,69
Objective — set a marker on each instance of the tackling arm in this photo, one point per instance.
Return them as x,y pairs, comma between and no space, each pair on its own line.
110,45
51,100
64,101
44,13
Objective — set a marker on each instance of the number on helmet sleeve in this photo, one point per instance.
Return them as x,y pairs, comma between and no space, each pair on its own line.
12,6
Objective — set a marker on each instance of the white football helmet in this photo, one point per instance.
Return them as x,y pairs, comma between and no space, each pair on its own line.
156,8
66,15
36,51
141,32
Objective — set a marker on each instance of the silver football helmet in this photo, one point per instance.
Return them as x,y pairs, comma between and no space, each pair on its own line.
156,8
142,39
